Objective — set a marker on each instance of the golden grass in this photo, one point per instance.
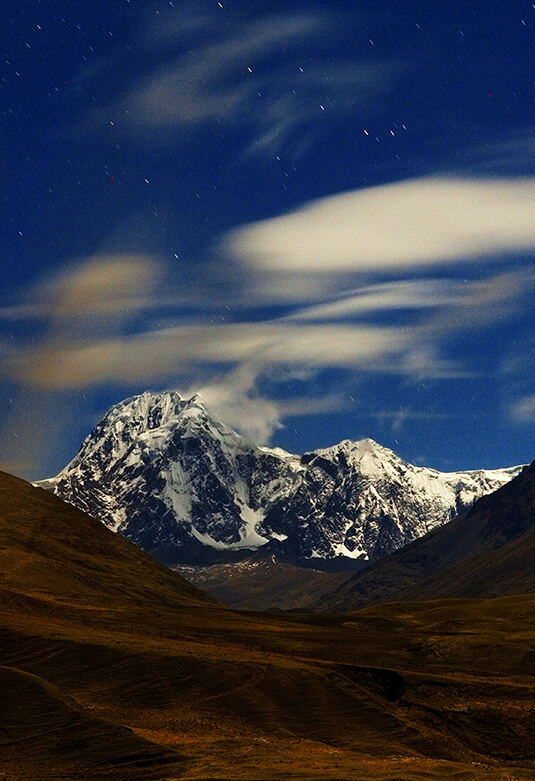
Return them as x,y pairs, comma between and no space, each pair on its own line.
114,668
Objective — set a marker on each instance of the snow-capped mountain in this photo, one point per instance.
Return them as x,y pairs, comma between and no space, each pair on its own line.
166,473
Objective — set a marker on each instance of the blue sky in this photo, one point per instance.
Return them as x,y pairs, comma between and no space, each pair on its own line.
321,217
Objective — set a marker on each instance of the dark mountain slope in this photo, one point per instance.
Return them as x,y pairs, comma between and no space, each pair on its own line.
481,554
262,583
56,552
31,710
114,668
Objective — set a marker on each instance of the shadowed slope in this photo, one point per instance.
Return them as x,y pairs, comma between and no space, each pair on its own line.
57,563
114,668
488,552
51,550
52,731
261,583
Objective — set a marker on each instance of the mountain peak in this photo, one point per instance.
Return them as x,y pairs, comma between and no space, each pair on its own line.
148,409
365,455
361,447
167,473
196,402
153,410
358,447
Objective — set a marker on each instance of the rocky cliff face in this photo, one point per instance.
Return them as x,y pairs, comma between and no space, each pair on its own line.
166,473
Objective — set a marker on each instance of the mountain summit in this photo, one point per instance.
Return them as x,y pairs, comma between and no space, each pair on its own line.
167,474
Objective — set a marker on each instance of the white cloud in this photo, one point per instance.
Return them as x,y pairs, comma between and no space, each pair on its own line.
303,102
211,81
301,407
100,286
96,329
523,410
167,352
512,152
485,301
236,401
387,296
408,224
87,309
82,305
424,361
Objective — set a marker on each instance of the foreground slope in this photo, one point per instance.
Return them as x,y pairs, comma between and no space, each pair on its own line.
48,546
58,564
488,552
114,668
167,474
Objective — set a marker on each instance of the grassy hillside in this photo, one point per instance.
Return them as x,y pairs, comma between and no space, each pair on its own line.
114,668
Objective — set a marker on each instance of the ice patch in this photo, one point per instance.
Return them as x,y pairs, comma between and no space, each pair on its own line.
251,539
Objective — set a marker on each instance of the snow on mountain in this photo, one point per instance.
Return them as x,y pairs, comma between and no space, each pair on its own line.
166,473
370,502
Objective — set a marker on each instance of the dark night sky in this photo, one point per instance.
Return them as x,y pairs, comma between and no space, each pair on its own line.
320,216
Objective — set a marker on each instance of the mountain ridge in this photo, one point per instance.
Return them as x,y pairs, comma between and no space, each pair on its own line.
168,474
487,552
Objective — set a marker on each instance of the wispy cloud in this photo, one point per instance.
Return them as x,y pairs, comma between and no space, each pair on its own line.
415,294
523,410
102,286
514,152
98,315
235,399
144,357
482,302
443,306
94,333
83,303
397,417
100,321
232,78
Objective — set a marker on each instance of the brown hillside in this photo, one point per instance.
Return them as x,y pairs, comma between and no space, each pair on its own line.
114,668
50,549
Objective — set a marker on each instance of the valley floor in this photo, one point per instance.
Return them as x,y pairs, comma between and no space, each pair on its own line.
438,690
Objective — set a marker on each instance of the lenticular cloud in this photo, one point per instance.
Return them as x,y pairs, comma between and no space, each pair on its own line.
414,223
